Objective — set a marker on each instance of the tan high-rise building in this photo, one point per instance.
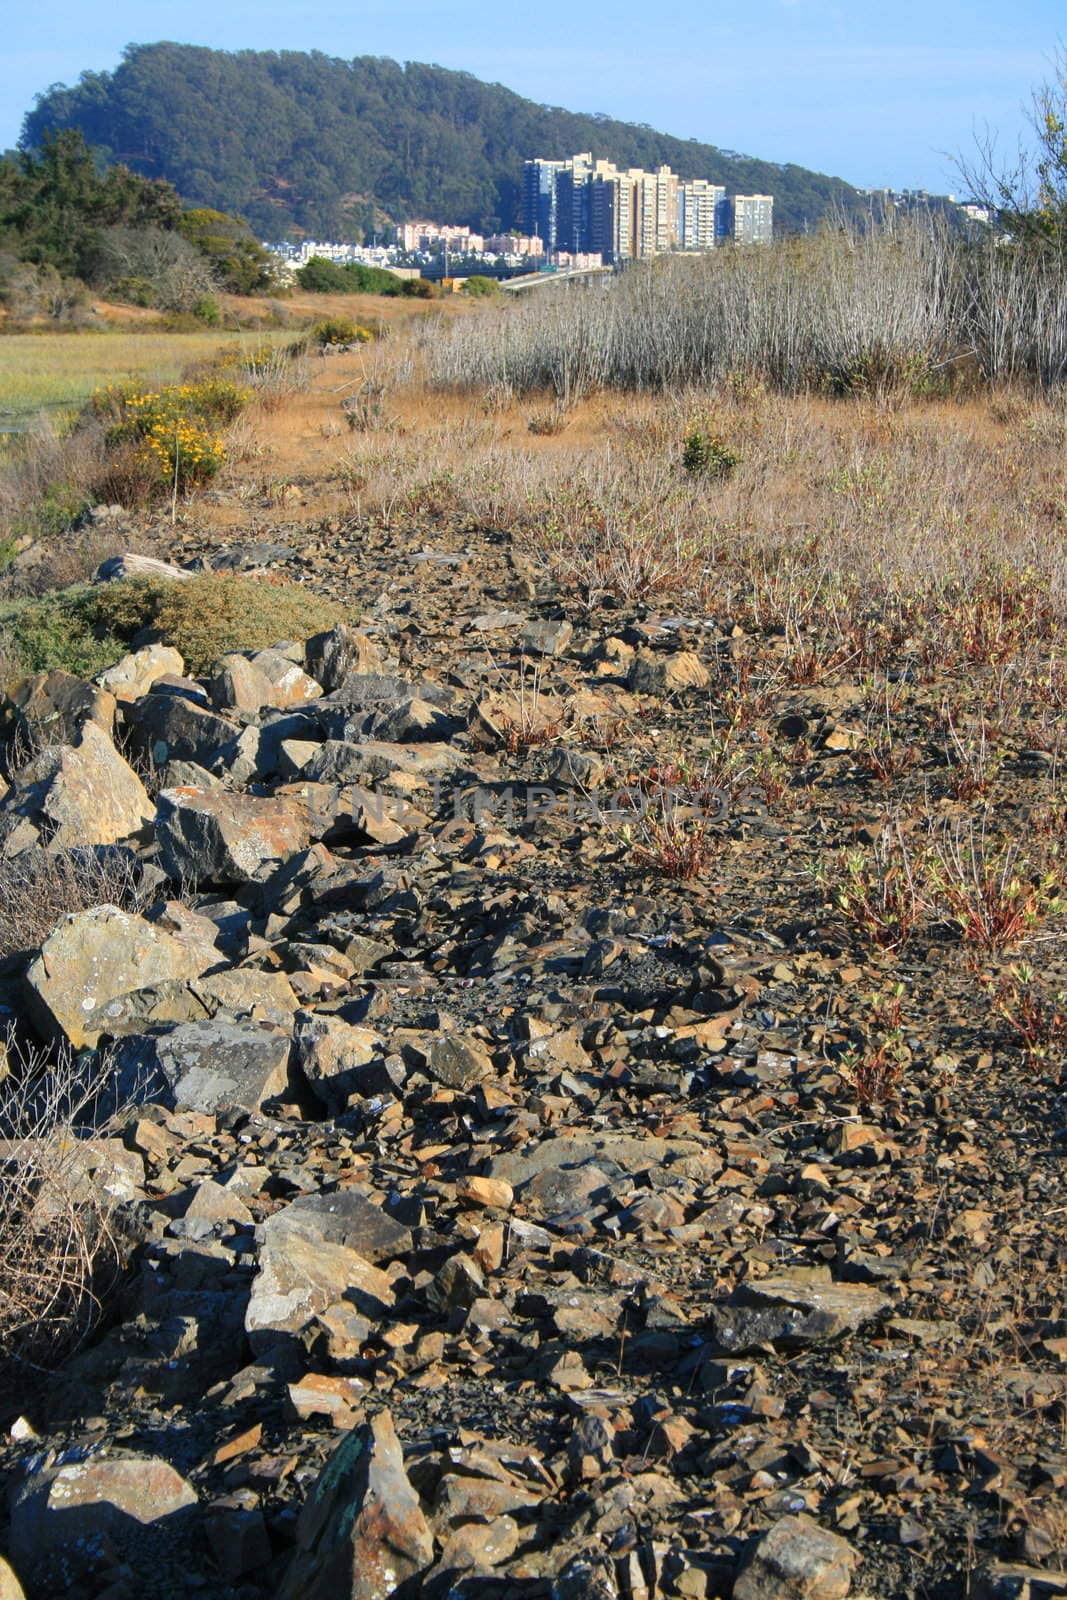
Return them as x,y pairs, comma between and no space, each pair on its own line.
702,221
655,211
582,205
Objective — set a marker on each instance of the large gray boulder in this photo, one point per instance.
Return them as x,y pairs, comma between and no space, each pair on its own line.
207,1066
216,837
82,793
166,727
96,956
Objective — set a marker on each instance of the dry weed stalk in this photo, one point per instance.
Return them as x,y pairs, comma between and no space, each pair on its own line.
60,1250
39,887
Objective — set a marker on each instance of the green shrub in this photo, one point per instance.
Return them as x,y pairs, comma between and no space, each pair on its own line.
51,514
322,276
208,311
706,455
135,291
87,629
478,286
39,635
421,289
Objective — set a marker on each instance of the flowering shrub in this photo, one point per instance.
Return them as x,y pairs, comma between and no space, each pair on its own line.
185,453
173,427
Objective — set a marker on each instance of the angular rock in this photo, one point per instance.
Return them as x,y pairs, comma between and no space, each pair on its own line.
133,676
797,1560
343,761
414,722
237,685
209,1066
82,793
545,638
301,1277
289,684
654,673
1003,1580
793,1312
343,1217
362,1532
458,1061
135,566
52,707
65,1519
212,836
329,1052
96,956
330,657
166,727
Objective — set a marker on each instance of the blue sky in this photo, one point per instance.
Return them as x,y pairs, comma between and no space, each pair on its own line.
874,93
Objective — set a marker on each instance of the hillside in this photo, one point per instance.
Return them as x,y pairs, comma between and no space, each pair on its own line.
304,141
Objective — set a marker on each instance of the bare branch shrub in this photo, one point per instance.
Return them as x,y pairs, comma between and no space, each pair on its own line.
60,1251
847,311
39,887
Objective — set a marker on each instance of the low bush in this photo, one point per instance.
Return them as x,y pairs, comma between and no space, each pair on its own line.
322,276
706,455
39,635
338,330
163,438
85,630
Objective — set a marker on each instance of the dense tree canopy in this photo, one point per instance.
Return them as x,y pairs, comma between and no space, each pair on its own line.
68,215
55,204
305,142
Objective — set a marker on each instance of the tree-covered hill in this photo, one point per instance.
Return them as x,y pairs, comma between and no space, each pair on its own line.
306,142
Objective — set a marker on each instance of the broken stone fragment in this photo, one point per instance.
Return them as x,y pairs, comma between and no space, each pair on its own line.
82,793
652,672
64,1519
545,638
136,673
164,727
330,657
362,1532
207,1066
797,1560
53,707
299,1278
793,1312
343,1216
458,1061
96,956
216,837
329,1053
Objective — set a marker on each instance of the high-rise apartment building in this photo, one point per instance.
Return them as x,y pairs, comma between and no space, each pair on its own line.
539,199
583,205
753,218
702,214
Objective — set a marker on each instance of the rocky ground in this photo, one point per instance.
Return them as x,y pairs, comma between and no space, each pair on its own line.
530,1188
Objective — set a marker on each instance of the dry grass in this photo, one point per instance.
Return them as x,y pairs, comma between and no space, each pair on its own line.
40,887
60,1250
